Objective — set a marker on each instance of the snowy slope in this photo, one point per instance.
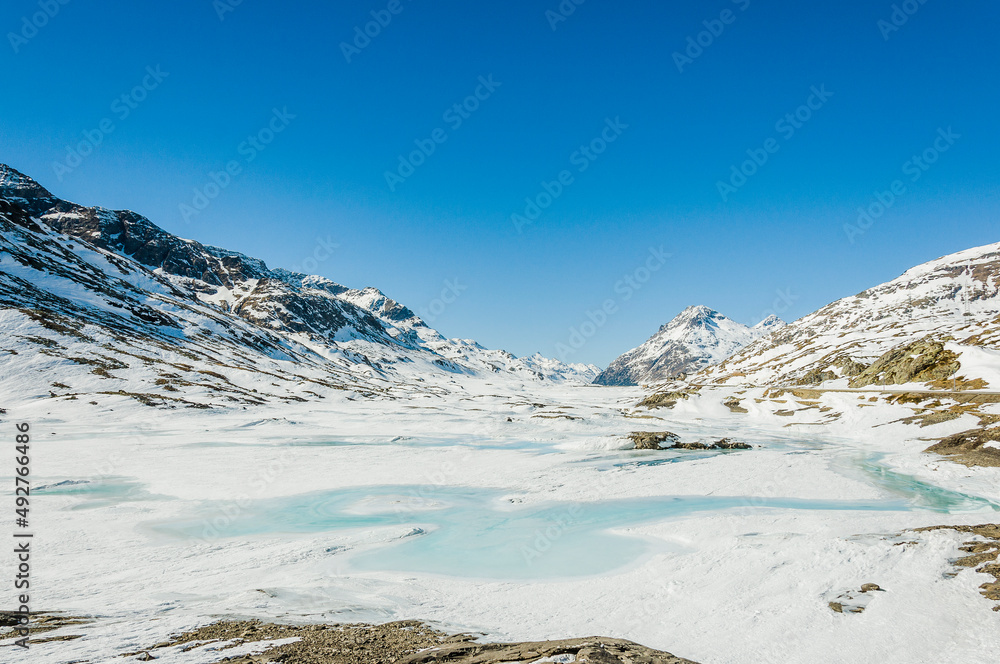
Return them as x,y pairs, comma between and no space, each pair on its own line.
954,300
697,338
102,301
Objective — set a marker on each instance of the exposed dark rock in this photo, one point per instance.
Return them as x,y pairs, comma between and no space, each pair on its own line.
735,405
853,601
41,622
840,607
817,376
958,383
404,642
849,367
276,305
730,444
666,399
968,447
724,444
280,300
652,440
919,362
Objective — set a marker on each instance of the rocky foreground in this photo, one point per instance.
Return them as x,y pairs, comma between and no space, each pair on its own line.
404,642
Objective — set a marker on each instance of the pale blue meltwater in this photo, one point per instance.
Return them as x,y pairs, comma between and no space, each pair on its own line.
920,494
482,532
105,492
472,533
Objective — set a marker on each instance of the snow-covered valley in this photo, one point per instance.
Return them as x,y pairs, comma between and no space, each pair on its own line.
517,514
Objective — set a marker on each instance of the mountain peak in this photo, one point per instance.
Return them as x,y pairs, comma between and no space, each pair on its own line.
698,312
696,338
772,322
699,309
14,183
694,316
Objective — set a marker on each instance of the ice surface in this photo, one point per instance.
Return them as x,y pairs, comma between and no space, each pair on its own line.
468,533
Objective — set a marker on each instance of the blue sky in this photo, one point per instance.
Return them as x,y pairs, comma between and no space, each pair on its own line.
774,242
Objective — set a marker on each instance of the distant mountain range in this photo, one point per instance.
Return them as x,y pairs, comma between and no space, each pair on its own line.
108,300
697,338
104,303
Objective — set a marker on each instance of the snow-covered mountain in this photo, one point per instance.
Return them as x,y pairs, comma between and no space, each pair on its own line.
939,320
110,301
697,338
554,369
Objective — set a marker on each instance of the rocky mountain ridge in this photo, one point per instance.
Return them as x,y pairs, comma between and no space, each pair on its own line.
92,287
939,321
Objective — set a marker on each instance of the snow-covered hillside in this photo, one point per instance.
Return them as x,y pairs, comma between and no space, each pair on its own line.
697,338
940,317
96,301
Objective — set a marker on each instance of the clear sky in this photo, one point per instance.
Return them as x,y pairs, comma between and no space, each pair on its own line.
201,78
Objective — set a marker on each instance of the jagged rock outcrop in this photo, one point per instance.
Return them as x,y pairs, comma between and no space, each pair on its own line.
653,440
724,444
667,399
920,362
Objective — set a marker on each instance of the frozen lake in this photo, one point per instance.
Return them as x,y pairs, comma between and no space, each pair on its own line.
486,533
476,515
